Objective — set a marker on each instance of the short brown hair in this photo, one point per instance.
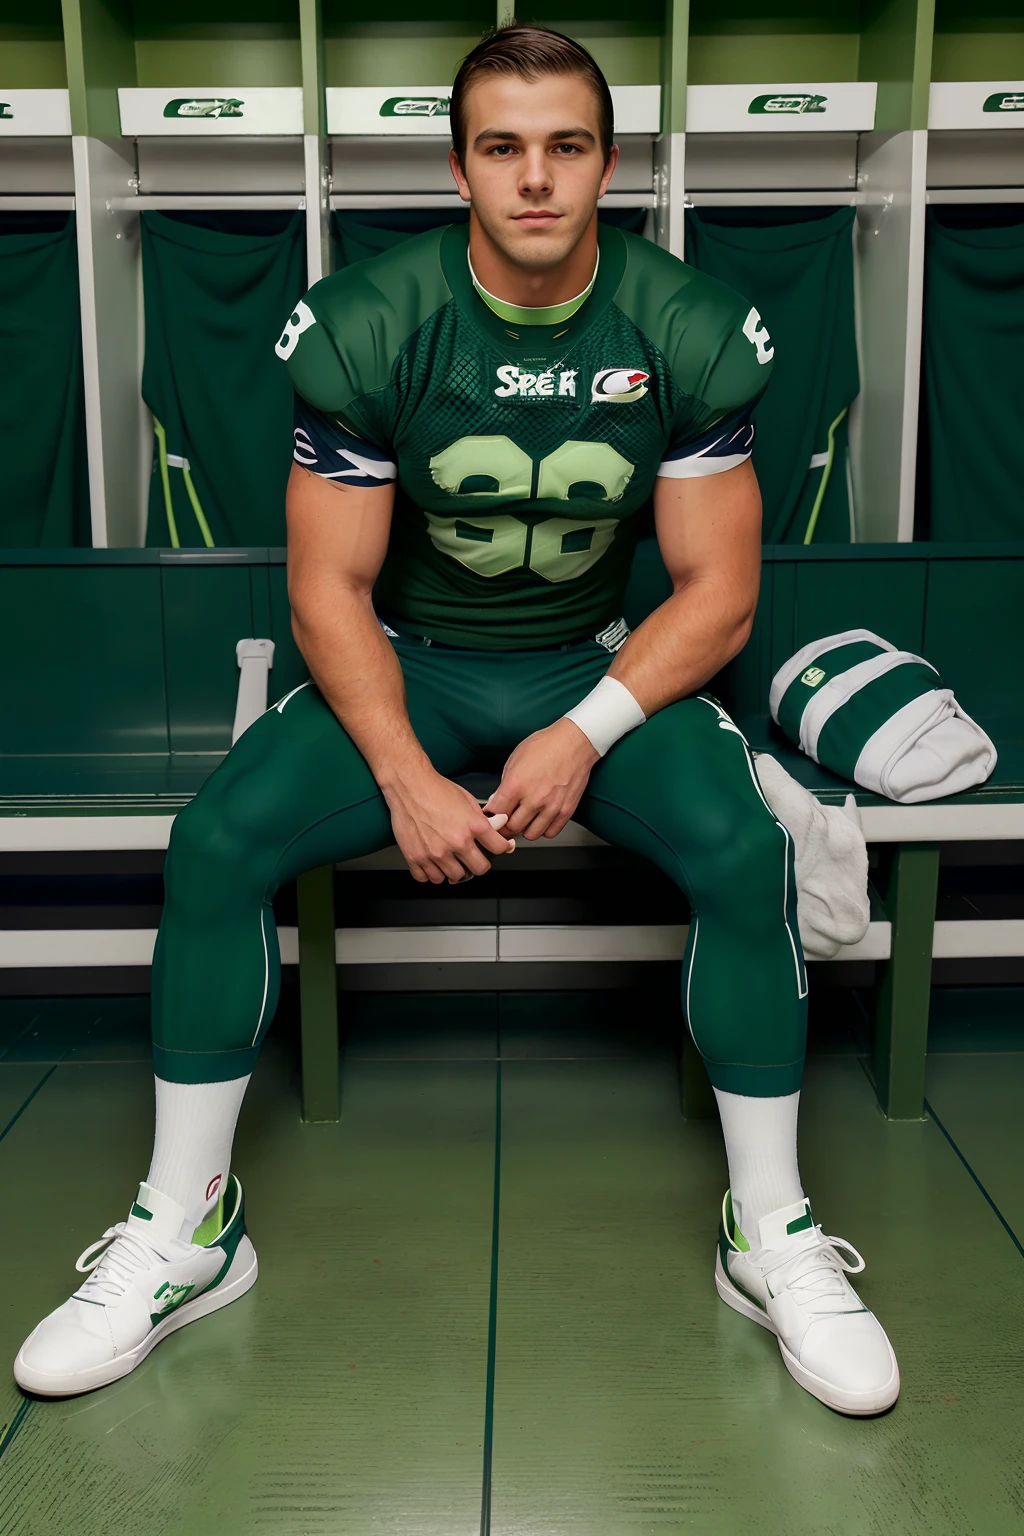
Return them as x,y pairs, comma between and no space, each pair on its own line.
529,51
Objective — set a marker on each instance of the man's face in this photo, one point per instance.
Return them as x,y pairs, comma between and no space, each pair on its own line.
533,166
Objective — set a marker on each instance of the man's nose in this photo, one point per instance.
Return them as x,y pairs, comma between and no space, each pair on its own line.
535,172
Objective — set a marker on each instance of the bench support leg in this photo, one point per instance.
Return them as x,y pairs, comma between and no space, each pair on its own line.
697,1097
318,995
903,991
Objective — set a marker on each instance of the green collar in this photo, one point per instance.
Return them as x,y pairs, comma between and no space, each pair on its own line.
535,314
532,338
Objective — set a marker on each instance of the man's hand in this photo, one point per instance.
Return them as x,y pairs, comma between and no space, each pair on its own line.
543,780
439,827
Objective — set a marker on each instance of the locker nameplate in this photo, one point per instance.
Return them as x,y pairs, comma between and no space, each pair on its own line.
211,111
845,106
423,109
34,114
976,104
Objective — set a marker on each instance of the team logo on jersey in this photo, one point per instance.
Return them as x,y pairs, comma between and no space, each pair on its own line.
536,386
619,384
813,676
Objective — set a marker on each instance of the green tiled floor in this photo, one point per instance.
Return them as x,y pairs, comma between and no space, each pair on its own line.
348,1392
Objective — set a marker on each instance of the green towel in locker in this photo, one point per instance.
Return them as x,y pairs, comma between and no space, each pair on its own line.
44,476
799,276
358,236
973,394
222,404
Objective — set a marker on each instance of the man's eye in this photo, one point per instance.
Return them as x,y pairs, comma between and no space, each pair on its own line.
571,149
502,150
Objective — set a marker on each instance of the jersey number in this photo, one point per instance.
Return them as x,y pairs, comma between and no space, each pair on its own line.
562,548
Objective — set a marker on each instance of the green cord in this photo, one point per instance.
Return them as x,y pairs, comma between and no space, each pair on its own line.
161,443
165,477
812,521
204,527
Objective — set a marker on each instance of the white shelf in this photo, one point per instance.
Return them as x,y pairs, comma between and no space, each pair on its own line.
40,114
976,104
210,111
845,106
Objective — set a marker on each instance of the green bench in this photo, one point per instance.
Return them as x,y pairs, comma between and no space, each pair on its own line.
121,689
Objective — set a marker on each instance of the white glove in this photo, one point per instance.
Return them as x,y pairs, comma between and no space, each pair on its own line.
831,861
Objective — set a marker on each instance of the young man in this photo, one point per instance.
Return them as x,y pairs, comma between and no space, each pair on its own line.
482,416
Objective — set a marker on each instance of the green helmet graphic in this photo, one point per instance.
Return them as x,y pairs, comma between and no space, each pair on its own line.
209,106
794,104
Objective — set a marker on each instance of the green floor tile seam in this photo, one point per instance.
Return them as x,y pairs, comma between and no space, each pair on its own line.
1011,1234
12,1122
8,1431
19,1038
492,1313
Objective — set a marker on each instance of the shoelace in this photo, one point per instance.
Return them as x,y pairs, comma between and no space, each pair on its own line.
816,1271
111,1262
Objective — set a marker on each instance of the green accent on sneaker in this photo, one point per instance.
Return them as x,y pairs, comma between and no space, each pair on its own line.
739,1241
802,1223
234,1227
140,1211
724,1249
731,1240
173,1296
211,1227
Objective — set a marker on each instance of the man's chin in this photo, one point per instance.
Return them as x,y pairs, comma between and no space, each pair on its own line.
540,249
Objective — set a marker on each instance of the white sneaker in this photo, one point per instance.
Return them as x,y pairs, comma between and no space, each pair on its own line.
144,1282
795,1285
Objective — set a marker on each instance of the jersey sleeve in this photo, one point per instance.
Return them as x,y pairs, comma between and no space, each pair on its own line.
323,345
329,448
713,430
340,345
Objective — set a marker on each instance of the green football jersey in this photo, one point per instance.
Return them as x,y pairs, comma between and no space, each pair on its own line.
522,452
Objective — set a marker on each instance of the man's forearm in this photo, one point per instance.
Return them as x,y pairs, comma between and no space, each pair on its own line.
682,644
358,673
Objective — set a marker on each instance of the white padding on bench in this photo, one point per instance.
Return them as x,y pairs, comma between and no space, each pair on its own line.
510,944
980,939
882,824
70,834
591,942
938,823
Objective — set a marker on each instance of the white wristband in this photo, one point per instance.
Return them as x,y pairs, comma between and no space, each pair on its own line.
607,712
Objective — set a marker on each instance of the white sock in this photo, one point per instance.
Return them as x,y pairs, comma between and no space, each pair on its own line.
760,1143
195,1126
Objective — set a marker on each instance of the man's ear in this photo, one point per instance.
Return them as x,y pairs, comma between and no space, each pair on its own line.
457,171
613,160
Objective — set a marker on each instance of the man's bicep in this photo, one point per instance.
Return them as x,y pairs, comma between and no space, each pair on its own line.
709,529
337,533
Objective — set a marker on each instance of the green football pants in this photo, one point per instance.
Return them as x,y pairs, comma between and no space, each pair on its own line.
295,792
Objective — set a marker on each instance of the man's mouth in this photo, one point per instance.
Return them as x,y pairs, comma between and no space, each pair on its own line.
537,216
